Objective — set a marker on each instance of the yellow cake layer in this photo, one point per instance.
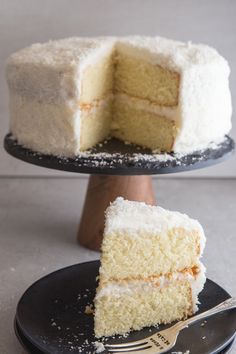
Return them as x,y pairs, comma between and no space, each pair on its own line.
142,79
142,127
135,309
125,256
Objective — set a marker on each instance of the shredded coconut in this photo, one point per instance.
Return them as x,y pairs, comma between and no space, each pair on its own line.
89,309
99,347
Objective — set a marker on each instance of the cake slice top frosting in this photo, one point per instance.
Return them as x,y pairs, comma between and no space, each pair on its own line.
136,217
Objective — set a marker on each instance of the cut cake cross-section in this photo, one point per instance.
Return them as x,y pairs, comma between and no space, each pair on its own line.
150,270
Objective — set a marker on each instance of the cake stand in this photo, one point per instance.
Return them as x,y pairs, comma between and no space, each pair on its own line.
118,169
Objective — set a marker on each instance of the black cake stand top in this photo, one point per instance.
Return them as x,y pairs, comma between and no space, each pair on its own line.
117,158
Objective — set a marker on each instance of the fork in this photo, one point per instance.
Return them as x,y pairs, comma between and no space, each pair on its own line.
163,341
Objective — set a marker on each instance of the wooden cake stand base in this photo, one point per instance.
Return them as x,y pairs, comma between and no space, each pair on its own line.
101,191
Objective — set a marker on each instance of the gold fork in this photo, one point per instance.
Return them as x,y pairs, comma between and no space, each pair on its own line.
163,341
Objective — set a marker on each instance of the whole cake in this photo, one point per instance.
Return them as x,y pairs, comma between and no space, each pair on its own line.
150,270
70,94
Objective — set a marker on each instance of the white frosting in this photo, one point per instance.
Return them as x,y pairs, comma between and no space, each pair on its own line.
145,105
52,72
129,287
197,285
205,109
136,217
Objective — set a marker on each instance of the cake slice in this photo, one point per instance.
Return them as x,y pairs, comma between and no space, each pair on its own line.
150,270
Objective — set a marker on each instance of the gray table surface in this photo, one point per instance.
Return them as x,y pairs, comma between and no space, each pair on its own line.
39,220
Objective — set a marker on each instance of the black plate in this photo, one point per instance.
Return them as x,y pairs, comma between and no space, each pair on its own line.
50,316
30,348
123,159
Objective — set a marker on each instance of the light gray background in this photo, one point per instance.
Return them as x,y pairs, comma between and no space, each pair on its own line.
28,21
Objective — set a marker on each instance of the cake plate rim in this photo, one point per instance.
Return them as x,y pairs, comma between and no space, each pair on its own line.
134,163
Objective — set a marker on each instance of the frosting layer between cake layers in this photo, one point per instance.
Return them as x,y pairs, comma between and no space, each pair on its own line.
56,88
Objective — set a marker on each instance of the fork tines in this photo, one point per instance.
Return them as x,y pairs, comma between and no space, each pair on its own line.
132,347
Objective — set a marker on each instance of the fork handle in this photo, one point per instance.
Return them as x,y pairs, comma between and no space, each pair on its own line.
223,306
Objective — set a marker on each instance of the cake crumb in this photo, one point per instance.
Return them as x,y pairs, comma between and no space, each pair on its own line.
99,347
203,323
89,309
